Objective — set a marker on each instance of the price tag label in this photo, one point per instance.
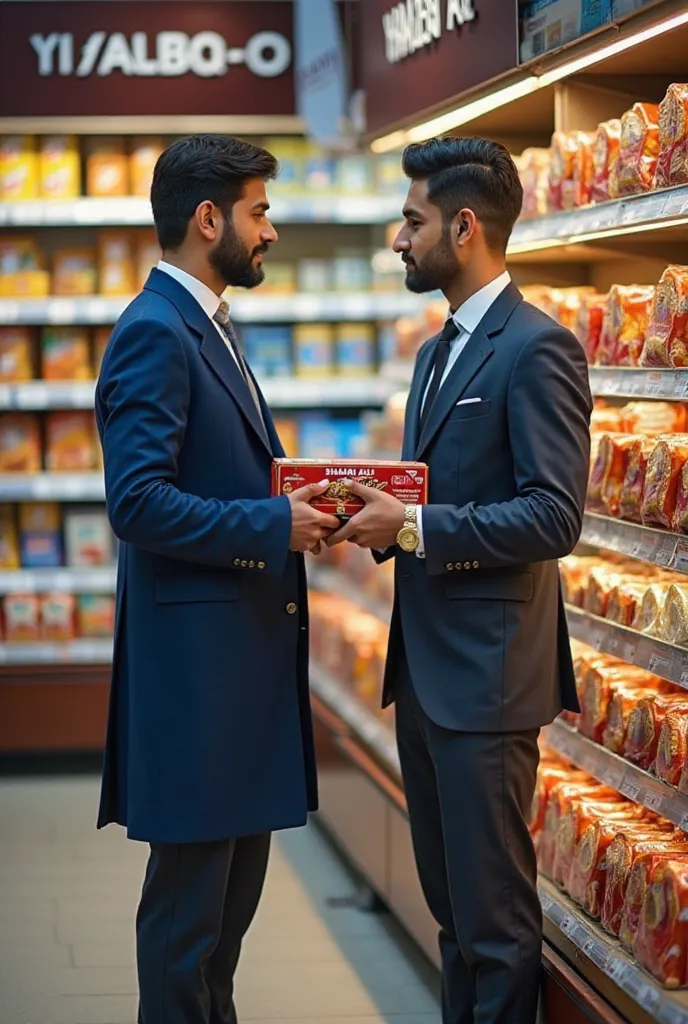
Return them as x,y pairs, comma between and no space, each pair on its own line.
648,997
597,638
681,384
61,311
616,969
612,774
656,384
597,952
680,563
629,650
670,1013
568,924
33,396
661,664
629,788
644,546
683,823
666,550
654,800
5,396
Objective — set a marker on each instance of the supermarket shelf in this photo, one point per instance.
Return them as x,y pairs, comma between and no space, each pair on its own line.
619,382
613,219
612,770
658,547
332,581
52,487
71,581
299,308
611,958
377,736
635,648
280,393
134,211
82,652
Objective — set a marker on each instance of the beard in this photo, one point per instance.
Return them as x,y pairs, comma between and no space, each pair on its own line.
437,270
232,260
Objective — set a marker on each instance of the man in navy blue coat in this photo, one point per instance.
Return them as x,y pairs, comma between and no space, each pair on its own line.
479,655
209,743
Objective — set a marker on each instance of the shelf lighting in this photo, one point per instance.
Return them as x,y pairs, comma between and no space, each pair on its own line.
520,248
518,90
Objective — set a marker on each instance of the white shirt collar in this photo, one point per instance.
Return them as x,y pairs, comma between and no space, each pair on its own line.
204,296
470,313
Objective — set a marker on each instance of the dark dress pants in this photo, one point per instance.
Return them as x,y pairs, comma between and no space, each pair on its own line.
469,797
197,904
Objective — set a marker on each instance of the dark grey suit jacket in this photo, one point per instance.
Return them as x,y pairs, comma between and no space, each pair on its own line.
481,618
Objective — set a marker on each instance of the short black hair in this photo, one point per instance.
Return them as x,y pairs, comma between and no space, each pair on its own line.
469,172
199,168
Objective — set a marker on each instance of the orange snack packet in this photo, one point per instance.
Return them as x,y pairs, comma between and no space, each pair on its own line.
20,443
672,164
664,466
605,155
666,340
624,325
71,441
638,150
661,941
622,854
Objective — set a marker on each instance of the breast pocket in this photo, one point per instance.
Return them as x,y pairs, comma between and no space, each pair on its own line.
469,411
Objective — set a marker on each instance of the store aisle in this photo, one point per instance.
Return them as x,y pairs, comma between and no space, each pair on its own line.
67,901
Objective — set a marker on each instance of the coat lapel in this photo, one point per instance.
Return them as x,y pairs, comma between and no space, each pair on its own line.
415,398
475,354
222,362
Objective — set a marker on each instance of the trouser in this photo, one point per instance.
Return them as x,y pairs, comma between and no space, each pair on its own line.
469,797
197,904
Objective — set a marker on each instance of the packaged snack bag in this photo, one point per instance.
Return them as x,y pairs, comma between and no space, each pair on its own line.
672,165
666,340
116,267
20,443
664,466
107,167
59,167
66,353
71,442
142,160
18,168
74,272
58,617
605,156
16,354
661,941
672,748
40,535
638,150
22,618
95,616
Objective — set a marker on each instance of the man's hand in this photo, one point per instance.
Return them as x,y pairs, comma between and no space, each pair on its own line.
308,526
375,526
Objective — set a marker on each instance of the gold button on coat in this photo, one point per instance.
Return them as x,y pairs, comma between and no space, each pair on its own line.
291,608
458,565
244,563
476,565
449,566
237,561
466,565
261,565
251,565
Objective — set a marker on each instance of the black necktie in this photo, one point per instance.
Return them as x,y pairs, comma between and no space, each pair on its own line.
442,349
222,318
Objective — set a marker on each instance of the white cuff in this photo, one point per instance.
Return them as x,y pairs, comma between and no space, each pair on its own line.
420,550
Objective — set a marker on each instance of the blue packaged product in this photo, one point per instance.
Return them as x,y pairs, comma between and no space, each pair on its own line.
268,349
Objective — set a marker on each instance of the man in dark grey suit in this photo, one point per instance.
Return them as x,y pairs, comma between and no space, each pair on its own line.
479,656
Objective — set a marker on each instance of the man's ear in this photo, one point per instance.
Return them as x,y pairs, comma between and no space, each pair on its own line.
207,220
463,226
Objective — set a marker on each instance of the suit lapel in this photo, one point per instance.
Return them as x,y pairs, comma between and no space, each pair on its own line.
415,399
477,351
222,362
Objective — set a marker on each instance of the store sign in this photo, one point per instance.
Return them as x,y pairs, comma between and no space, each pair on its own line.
420,54
411,25
322,89
167,54
88,57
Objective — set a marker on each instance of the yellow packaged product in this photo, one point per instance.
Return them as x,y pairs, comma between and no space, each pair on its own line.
70,442
291,153
16,354
116,268
59,167
288,433
9,538
648,615
147,256
107,167
18,168
142,160
21,269
313,349
74,272
66,353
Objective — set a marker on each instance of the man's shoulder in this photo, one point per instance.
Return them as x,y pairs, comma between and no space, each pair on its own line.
526,314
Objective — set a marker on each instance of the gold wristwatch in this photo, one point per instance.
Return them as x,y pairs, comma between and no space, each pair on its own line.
408,537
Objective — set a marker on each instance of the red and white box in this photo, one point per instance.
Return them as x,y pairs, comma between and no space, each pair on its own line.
407,481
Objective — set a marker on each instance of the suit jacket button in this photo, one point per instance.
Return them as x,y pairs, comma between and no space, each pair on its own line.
237,561
458,565
244,563
291,608
466,565
449,567
251,565
476,565
261,565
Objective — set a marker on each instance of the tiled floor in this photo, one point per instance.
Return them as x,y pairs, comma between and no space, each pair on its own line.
67,901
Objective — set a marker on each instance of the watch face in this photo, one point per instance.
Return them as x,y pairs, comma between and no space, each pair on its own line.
408,539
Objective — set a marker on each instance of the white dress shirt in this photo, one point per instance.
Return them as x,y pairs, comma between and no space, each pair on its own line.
466,317
204,296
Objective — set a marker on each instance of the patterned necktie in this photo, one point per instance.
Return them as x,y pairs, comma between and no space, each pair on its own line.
442,350
222,318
